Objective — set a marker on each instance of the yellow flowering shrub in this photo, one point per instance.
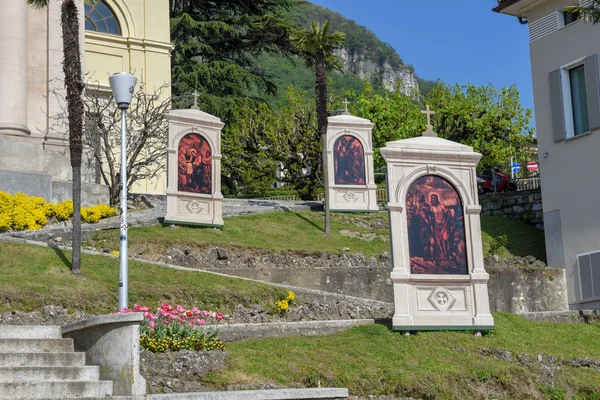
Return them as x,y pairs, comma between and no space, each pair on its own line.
23,212
6,205
62,211
93,214
28,212
284,302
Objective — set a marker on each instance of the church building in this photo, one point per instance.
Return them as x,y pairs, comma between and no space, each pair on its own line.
116,35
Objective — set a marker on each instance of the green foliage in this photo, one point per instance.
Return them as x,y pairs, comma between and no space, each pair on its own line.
590,12
498,243
259,141
394,114
491,121
217,45
358,37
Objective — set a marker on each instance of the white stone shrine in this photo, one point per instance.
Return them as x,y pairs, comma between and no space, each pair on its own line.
351,185
438,274
194,168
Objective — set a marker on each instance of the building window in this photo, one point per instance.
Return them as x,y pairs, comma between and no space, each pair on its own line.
579,105
575,98
100,18
570,17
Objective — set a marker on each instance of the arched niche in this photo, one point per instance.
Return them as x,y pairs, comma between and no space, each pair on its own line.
349,161
436,227
194,162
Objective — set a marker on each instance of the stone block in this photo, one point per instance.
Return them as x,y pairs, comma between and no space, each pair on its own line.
537,207
91,193
113,342
30,183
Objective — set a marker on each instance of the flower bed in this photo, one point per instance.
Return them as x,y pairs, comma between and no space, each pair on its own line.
23,212
175,328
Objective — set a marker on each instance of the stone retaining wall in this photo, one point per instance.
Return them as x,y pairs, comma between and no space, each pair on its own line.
525,206
516,285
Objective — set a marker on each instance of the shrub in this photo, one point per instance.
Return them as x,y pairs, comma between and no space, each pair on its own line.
93,214
63,210
28,212
175,328
284,302
6,206
23,212
498,243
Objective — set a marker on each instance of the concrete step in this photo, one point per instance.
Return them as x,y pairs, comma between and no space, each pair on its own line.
49,374
42,359
54,390
30,332
36,346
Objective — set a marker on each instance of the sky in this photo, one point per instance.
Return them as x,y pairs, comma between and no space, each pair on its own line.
460,41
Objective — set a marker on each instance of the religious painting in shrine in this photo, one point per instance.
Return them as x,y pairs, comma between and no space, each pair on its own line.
348,161
194,165
436,228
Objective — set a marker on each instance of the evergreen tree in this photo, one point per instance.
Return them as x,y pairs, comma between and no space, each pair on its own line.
217,44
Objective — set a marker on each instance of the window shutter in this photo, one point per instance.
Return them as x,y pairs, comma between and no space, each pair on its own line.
593,91
556,106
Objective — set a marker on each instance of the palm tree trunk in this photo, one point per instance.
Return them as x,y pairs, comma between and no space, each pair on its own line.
321,89
74,86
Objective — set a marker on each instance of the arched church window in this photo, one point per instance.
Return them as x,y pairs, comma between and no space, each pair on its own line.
100,18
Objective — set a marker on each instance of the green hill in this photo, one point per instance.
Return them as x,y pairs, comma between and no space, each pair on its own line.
363,54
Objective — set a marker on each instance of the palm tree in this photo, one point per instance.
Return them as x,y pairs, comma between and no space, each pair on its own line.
74,86
317,47
591,12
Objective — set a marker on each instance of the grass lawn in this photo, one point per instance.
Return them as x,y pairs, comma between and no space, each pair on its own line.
441,365
302,232
32,277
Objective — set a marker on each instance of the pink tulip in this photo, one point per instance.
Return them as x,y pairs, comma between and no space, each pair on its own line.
152,316
152,324
205,313
219,316
180,309
195,311
180,319
200,322
163,312
191,323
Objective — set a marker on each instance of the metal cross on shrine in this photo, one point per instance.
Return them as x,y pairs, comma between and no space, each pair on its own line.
429,113
195,105
346,102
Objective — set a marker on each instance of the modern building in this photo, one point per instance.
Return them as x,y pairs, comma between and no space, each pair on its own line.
116,35
564,61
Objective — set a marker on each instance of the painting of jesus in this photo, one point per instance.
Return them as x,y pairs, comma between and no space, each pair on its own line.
195,165
436,229
348,161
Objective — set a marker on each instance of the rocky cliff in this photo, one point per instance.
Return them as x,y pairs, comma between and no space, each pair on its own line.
361,63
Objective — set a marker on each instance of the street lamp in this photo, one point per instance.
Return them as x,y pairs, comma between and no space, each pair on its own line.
123,85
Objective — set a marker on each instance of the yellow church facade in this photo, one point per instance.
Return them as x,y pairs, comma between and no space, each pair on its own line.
116,36
131,36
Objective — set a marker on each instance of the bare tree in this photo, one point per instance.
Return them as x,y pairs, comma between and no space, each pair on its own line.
147,133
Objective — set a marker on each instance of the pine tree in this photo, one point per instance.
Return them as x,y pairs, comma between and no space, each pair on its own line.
217,44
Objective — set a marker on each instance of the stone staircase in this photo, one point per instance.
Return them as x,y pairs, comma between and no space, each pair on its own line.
37,363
